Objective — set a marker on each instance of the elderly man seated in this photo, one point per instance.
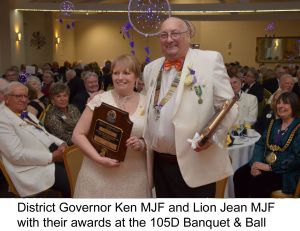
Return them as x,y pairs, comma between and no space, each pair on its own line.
286,84
31,156
91,85
247,103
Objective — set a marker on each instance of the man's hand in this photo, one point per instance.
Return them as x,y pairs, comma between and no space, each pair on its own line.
57,155
201,147
63,147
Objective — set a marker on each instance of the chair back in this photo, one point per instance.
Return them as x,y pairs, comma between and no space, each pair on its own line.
280,194
297,191
72,159
220,188
8,180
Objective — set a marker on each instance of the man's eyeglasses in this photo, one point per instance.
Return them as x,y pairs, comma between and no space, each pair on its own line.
19,96
173,34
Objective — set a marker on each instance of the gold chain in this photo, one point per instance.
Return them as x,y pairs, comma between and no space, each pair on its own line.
277,148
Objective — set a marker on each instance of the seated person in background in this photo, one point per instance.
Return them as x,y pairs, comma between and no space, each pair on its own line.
36,84
62,117
247,103
48,79
11,74
269,113
139,86
286,83
275,163
91,84
32,157
3,85
34,106
75,83
272,84
251,85
107,76
296,87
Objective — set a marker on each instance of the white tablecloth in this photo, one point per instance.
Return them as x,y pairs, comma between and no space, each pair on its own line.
240,155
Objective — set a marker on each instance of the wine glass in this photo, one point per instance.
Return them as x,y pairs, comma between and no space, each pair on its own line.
240,128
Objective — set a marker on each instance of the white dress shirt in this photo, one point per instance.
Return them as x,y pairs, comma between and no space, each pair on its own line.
162,131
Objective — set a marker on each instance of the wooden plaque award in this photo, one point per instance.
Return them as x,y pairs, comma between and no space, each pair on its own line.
110,128
214,122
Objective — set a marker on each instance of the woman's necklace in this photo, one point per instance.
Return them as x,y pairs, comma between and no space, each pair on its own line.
122,101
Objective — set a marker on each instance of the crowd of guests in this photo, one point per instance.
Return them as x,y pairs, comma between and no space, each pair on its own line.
50,101
44,112
275,163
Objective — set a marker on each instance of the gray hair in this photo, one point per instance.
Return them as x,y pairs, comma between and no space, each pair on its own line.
254,72
3,84
284,77
190,28
71,72
11,86
88,74
35,79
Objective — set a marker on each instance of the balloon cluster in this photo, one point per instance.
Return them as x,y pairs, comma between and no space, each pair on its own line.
125,31
66,9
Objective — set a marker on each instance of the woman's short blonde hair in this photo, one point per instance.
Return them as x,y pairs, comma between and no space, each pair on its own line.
128,61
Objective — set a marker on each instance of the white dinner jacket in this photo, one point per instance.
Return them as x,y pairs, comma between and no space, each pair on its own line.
26,159
190,117
248,108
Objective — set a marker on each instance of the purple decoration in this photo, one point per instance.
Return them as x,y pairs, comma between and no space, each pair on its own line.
125,30
132,52
128,26
270,27
146,17
67,7
147,50
24,115
147,60
131,44
23,77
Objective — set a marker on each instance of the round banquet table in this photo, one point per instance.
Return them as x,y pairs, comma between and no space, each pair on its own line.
240,153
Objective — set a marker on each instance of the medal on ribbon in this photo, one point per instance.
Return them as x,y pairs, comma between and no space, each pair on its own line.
198,92
271,158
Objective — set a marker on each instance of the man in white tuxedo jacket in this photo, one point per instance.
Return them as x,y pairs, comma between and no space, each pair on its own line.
184,89
247,103
25,147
